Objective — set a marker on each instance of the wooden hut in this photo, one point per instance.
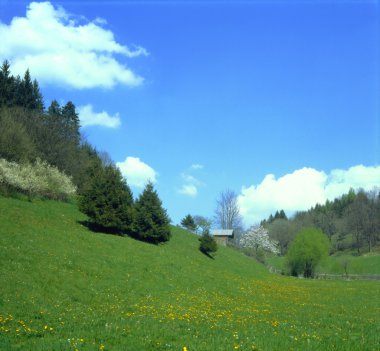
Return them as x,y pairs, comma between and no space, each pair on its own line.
221,235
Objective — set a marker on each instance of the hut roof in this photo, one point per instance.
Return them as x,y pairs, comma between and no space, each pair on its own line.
222,232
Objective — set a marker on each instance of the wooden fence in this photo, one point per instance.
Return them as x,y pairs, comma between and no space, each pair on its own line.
349,276
326,276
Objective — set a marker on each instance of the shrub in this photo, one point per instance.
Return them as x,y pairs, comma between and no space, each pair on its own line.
306,251
207,243
38,179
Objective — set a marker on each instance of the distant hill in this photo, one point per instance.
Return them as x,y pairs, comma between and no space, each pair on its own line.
64,287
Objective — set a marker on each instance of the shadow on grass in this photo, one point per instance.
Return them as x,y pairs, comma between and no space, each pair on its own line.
113,231
207,254
99,229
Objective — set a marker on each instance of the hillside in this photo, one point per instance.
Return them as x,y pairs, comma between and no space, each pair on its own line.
64,287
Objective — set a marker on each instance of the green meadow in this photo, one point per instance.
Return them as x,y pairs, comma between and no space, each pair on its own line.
340,263
64,287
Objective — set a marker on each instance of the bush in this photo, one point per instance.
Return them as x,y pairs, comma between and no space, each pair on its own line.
207,243
306,251
38,179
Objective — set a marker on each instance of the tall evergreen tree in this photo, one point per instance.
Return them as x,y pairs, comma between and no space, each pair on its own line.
71,123
6,85
107,200
151,221
26,98
38,101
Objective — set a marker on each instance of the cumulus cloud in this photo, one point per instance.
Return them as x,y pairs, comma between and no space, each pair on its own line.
60,48
88,117
137,172
190,183
302,189
188,190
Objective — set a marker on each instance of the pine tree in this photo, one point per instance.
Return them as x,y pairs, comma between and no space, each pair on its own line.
71,123
107,200
189,223
38,100
151,221
6,85
27,92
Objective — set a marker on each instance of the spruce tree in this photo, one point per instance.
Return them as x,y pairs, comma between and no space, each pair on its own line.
107,200
189,223
6,85
71,123
151,222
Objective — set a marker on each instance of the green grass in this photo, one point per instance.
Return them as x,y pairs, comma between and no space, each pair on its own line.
365,264
66,288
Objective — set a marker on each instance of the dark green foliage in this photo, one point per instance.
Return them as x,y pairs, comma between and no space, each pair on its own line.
6,85
16,143
271,218
207,243
306,251
15,91
70,121
189,223
107,200
151,222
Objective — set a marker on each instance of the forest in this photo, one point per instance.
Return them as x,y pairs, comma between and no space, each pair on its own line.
43,154
351,222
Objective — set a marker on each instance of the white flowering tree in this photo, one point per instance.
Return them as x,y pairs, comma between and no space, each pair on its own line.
257,238
36,179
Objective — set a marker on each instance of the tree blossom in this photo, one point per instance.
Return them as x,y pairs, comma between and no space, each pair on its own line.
257,238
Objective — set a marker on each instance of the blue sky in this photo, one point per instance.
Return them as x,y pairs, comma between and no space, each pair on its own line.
276,100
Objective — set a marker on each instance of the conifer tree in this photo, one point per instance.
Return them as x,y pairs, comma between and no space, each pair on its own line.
6,85
107,200
27,92
189,223
151,222
71,123
38,101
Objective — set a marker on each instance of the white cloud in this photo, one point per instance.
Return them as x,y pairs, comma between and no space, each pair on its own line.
137,172
302,189
90,118
196,166
190,183
59,50
188,190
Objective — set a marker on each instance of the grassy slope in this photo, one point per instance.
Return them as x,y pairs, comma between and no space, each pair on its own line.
66,288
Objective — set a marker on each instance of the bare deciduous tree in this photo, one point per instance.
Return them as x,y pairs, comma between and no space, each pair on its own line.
227,212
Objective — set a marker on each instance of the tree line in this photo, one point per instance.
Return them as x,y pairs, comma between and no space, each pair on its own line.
351,221
34,138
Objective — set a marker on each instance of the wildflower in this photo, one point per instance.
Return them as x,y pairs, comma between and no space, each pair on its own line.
184,348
